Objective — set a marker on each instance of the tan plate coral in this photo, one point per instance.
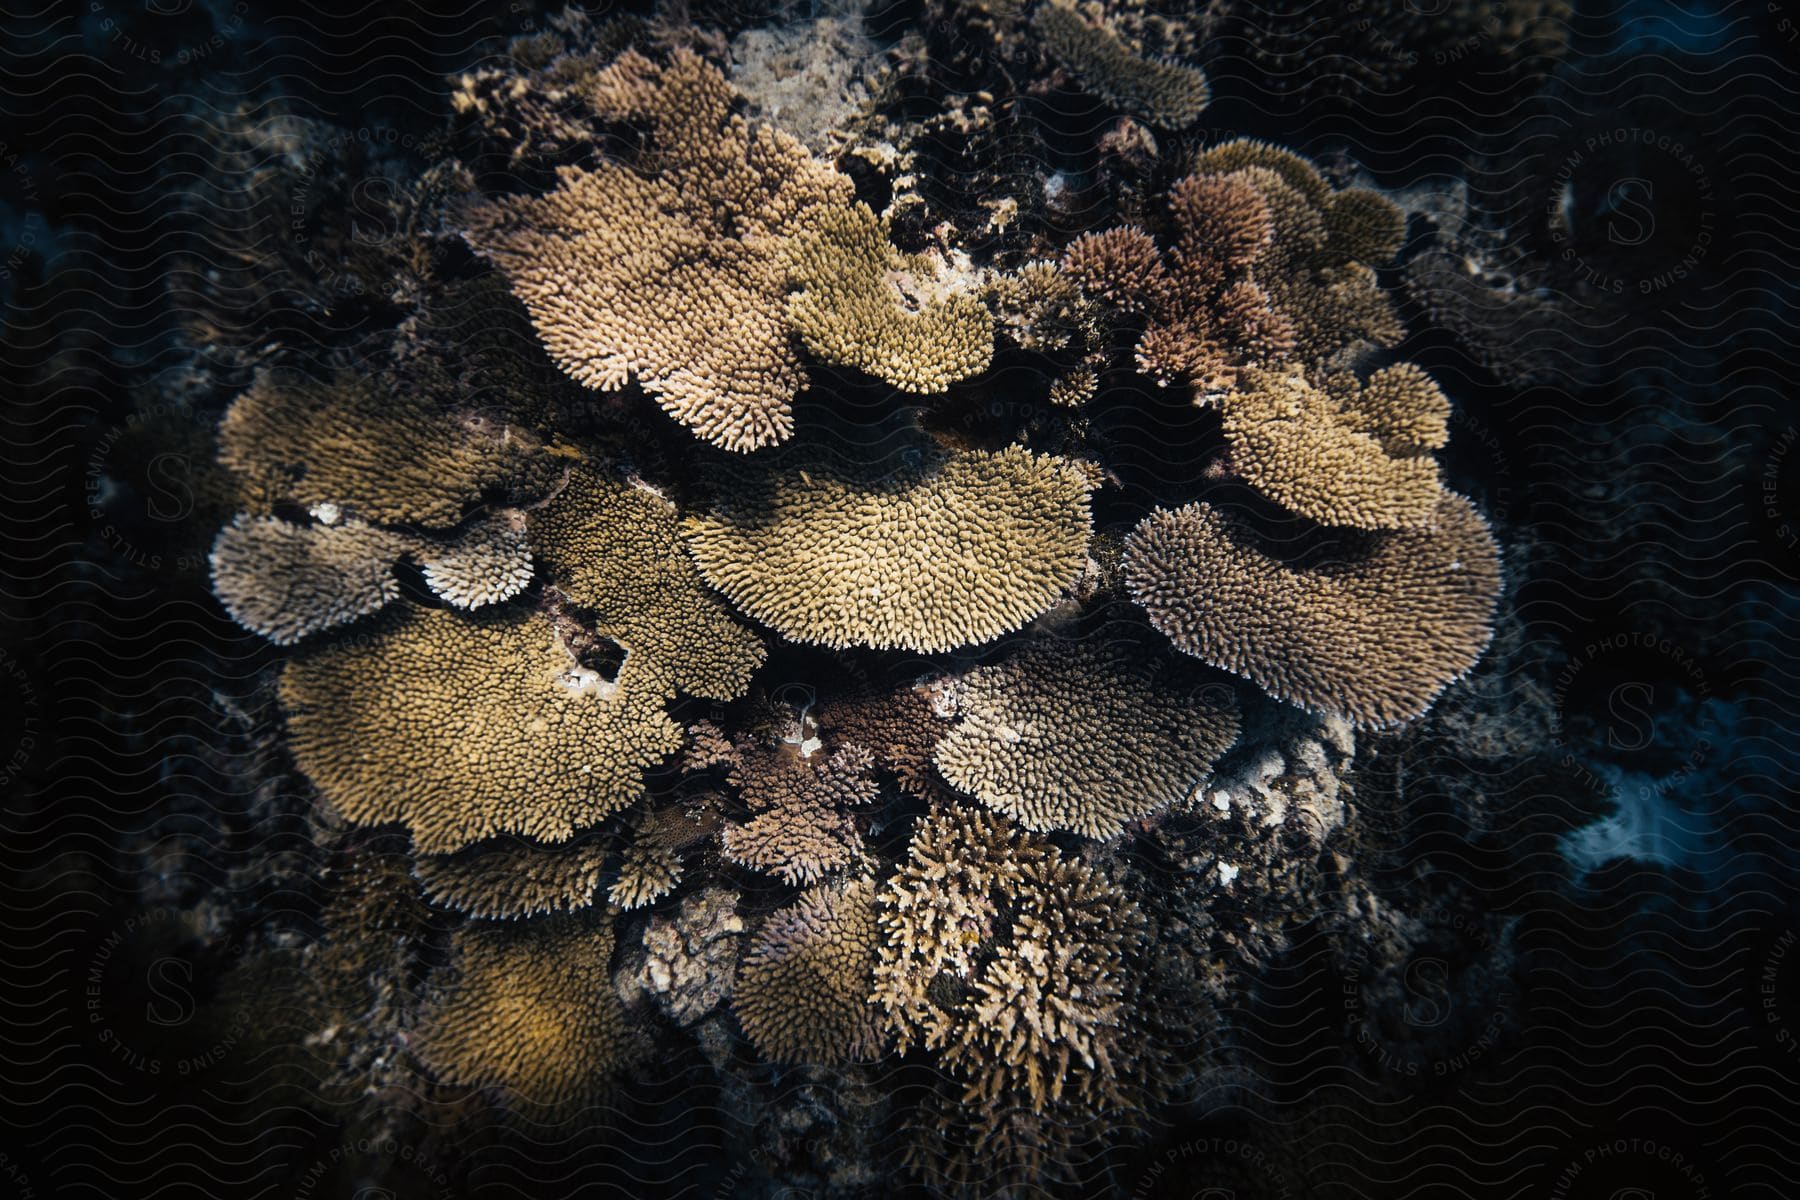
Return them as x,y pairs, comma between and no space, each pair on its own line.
1370,626
463,728
951,549
1084,736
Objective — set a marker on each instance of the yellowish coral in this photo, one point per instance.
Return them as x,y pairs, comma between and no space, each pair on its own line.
669,270
513,878
463,728
1084,736
360,446
1371,626
614,549
1298,445
1399,405
941,551
529,1007
287,581
802,993
1165,94
861,303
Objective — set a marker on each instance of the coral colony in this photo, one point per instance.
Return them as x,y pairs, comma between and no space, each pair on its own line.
849,694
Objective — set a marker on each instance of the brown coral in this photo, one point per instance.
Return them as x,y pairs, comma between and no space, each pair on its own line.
1014,963
1265,265
671,271
514,878
900,728
1162,93
861,303
613,548
803,990
1370,626
948,550
1084,736
464,728
1340,456
359,445
529,1008
800,826
286,581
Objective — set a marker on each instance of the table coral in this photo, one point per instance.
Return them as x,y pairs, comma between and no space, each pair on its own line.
1340,456
614,550
463,728
514,878
1163,93
942,551
529,1008
859,302
287,581
668,269
803,989
1372,626
1085,736
362,446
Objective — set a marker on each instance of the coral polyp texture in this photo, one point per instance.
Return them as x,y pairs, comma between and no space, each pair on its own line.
859,302
286,581
1324,458
483,565
357,444
614,549
464,729
514,877
529,1008
1084,737
966,677
1015,964
668,269
800,825
803,988
1163,93
926,552
1371,626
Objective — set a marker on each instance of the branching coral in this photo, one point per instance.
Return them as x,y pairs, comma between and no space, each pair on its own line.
861,303
613,549
362,446
1266,265
1165,94
949,550
1343,455
463,728
1371,626
900,728
671,271
286,581
1085,736
803,989
1015,964
800,826
514,878
649,872
530,1009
